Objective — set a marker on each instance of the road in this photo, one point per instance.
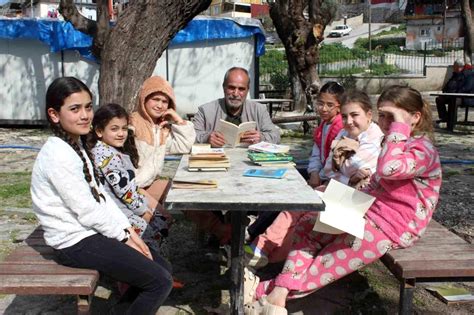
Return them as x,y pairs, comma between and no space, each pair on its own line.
357,32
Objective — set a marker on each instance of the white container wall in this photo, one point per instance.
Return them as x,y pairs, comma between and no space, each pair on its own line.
194,69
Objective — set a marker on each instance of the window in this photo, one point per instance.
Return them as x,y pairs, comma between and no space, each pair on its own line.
425,32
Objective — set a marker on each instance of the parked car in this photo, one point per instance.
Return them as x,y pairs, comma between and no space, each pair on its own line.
340,30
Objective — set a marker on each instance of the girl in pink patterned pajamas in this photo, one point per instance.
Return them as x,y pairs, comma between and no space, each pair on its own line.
406,186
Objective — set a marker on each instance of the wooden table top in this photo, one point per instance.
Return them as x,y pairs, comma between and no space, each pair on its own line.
237,192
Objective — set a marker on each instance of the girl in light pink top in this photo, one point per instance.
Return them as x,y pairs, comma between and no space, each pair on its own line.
406,185
356,111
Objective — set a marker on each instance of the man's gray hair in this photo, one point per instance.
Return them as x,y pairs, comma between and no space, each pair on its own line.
459,63
226,76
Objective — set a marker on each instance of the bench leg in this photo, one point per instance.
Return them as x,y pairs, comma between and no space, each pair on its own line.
407,288
84,304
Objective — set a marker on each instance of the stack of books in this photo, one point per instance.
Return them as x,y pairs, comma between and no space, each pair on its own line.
204,158
267,147
271,159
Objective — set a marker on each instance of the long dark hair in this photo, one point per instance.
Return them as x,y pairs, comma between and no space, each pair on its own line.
58,91
101,119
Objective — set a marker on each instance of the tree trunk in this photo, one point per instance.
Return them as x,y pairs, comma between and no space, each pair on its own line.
468,30
128,51
300,25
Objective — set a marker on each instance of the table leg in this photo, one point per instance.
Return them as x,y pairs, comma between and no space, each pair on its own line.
237,262
452,113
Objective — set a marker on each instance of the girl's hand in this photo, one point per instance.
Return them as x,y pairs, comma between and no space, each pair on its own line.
314,180
147,215
137,243
359,175
173,115
398,114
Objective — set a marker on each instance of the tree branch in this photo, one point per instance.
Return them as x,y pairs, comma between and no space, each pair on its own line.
68,10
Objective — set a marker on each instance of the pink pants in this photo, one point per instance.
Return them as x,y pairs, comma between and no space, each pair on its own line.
277,240
317,259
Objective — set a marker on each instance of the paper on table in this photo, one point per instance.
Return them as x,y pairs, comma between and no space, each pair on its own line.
344,211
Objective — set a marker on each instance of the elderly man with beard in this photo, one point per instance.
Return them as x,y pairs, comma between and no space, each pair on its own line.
234,108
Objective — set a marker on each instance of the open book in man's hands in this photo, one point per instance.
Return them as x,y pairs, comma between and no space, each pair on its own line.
232,133
344,211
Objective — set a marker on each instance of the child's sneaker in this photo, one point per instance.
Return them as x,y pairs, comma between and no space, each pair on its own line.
255,258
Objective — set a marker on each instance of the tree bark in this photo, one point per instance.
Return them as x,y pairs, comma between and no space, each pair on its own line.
128,51
466,12
300,25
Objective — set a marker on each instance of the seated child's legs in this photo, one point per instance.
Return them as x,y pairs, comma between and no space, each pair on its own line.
125,264
319,259
278,238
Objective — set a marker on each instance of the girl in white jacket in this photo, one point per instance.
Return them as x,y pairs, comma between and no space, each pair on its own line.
80,221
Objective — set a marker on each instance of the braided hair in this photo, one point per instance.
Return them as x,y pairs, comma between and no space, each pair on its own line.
101,119
58,91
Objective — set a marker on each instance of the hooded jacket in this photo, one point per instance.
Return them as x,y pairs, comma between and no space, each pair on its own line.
153,141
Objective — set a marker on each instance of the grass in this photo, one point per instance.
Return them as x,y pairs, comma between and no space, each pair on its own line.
15,189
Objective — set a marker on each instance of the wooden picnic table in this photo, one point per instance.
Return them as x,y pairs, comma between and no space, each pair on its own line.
239,194
273,101
453,108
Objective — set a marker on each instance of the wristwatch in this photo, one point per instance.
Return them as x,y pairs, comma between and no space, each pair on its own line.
127,236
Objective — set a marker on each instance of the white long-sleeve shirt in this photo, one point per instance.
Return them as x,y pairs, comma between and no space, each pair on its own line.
63,202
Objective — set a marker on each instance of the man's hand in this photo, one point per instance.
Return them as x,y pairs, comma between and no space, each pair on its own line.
314,180
251,136
216,139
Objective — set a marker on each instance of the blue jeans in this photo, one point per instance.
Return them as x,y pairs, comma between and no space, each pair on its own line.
152,278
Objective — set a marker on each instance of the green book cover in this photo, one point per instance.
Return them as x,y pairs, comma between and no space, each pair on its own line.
260,157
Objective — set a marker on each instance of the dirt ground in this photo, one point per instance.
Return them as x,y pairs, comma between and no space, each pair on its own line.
202,269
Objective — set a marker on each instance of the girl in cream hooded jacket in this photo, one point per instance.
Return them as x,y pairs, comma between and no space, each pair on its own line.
158,129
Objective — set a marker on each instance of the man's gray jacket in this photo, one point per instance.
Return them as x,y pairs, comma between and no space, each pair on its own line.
209,114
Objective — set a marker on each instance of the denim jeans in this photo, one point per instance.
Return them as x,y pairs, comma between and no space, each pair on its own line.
151,278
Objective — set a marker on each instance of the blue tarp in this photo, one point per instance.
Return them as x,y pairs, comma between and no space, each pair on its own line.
60,35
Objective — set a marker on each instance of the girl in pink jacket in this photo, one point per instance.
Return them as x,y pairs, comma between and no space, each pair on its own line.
406,185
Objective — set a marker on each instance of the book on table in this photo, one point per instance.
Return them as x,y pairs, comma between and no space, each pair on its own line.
267,173
197,184
269,157
233,133
344,211
205,158
269,147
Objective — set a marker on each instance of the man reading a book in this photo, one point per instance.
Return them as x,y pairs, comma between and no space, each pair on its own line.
236,109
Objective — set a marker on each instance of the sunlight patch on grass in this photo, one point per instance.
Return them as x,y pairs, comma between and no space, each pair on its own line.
15,189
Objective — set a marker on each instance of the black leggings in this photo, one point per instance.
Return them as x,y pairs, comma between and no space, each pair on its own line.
110,257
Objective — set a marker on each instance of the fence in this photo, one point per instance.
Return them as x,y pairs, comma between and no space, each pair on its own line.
336,59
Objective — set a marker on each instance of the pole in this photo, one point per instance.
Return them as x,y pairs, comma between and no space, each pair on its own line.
370,32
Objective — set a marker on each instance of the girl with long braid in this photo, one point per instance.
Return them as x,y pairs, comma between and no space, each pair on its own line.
80,221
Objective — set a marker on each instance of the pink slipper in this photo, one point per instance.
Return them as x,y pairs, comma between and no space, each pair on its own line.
251,282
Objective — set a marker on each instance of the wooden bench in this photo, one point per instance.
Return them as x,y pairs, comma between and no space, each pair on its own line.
439,256
31,270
